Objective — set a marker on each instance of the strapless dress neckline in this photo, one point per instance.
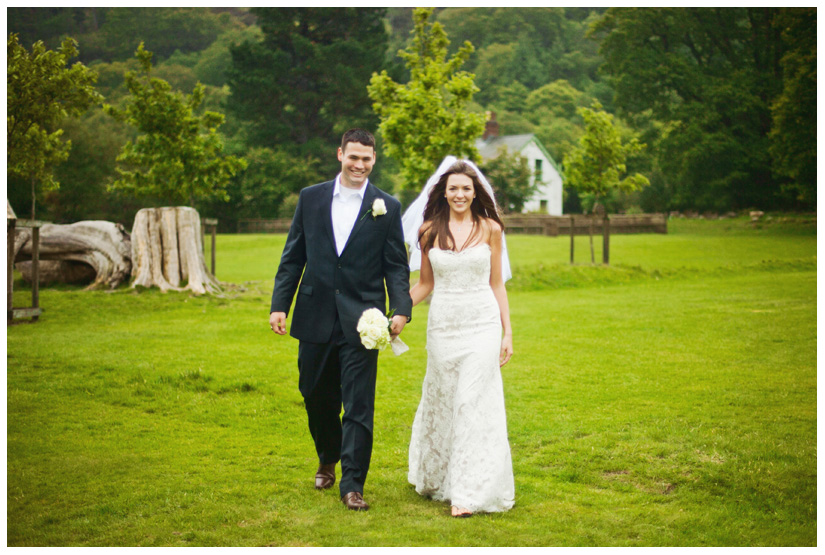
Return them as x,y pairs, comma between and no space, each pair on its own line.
465,249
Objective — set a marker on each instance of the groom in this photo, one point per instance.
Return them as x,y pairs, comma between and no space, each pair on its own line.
345,244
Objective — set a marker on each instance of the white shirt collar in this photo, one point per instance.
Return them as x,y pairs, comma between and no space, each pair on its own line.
360,192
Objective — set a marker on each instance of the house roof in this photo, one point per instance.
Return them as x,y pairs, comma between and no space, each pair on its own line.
489,148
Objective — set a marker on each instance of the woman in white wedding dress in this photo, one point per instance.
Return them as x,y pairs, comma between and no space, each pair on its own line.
459,451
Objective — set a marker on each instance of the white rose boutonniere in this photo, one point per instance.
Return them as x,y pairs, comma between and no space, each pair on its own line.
379,208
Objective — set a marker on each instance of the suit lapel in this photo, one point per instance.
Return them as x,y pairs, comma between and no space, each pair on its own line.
326,215
369,196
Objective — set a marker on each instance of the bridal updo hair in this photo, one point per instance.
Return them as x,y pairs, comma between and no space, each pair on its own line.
437,211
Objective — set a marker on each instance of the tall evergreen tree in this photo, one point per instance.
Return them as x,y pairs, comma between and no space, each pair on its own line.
304,83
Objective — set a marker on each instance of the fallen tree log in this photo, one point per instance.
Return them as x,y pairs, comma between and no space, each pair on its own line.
104,247
58,271
167,250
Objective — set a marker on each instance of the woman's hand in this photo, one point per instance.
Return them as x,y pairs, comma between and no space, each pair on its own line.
506,350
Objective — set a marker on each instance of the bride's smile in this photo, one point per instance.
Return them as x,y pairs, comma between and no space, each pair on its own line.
460,193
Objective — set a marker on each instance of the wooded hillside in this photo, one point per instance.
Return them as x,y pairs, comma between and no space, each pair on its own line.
724,98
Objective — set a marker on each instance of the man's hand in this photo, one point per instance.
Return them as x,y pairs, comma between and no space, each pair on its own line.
277,321
397,324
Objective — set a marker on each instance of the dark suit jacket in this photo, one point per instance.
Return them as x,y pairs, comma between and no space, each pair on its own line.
347,285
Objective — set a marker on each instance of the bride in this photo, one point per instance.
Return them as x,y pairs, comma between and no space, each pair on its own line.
459,450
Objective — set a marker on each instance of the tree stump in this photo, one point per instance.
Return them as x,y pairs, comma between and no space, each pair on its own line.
103,247
167,250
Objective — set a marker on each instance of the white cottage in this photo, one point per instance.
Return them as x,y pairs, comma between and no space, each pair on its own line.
548,197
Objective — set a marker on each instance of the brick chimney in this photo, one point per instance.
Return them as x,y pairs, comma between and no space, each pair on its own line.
491,127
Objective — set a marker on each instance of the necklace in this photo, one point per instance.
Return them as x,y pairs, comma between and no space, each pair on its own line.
458,227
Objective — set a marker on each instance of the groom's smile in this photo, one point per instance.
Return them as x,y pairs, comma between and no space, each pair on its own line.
356,164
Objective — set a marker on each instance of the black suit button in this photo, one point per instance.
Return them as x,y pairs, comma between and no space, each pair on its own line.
339,266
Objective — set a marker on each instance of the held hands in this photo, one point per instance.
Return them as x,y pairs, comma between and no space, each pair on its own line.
506,350
277,321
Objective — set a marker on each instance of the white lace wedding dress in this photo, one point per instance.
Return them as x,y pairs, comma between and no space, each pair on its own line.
459,450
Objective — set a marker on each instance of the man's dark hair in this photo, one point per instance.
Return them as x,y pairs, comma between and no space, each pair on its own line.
357,136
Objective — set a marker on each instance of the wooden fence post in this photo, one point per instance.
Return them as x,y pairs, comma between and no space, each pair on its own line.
572,236
592,252
606,236
34,311
214,234
36,272
10,270
213,224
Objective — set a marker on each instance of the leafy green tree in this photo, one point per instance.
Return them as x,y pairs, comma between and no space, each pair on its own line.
179,77
547,43
111,78
264,190
96,142
710,76
512,178
511,97
304,83
557,99
52,24
793,133
261,196
485,26
165,29
213,63
41,91
597,166
427,119
559,135
495,69
529,59
177,156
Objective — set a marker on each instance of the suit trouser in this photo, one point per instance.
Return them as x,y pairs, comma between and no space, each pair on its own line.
345,374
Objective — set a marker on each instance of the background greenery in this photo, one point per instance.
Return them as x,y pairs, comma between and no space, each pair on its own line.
725,98
669,399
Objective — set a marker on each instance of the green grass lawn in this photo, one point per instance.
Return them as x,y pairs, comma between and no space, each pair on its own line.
669,399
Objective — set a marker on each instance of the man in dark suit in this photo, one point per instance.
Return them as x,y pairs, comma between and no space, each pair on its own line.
345,244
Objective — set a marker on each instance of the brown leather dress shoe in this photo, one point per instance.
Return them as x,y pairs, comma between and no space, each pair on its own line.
355,502
325,477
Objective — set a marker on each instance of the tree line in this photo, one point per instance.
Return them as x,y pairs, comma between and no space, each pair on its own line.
724,98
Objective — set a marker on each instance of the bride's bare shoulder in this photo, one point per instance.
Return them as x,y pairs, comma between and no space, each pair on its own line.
491,228
493,225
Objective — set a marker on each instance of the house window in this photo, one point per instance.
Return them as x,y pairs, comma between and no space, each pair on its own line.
543,205
538,169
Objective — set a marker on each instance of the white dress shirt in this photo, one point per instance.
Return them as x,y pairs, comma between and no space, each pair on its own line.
346,204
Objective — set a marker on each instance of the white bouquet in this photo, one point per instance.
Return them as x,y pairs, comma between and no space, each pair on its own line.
374,329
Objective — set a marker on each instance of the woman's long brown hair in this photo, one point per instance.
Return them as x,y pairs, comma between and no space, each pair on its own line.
437,210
